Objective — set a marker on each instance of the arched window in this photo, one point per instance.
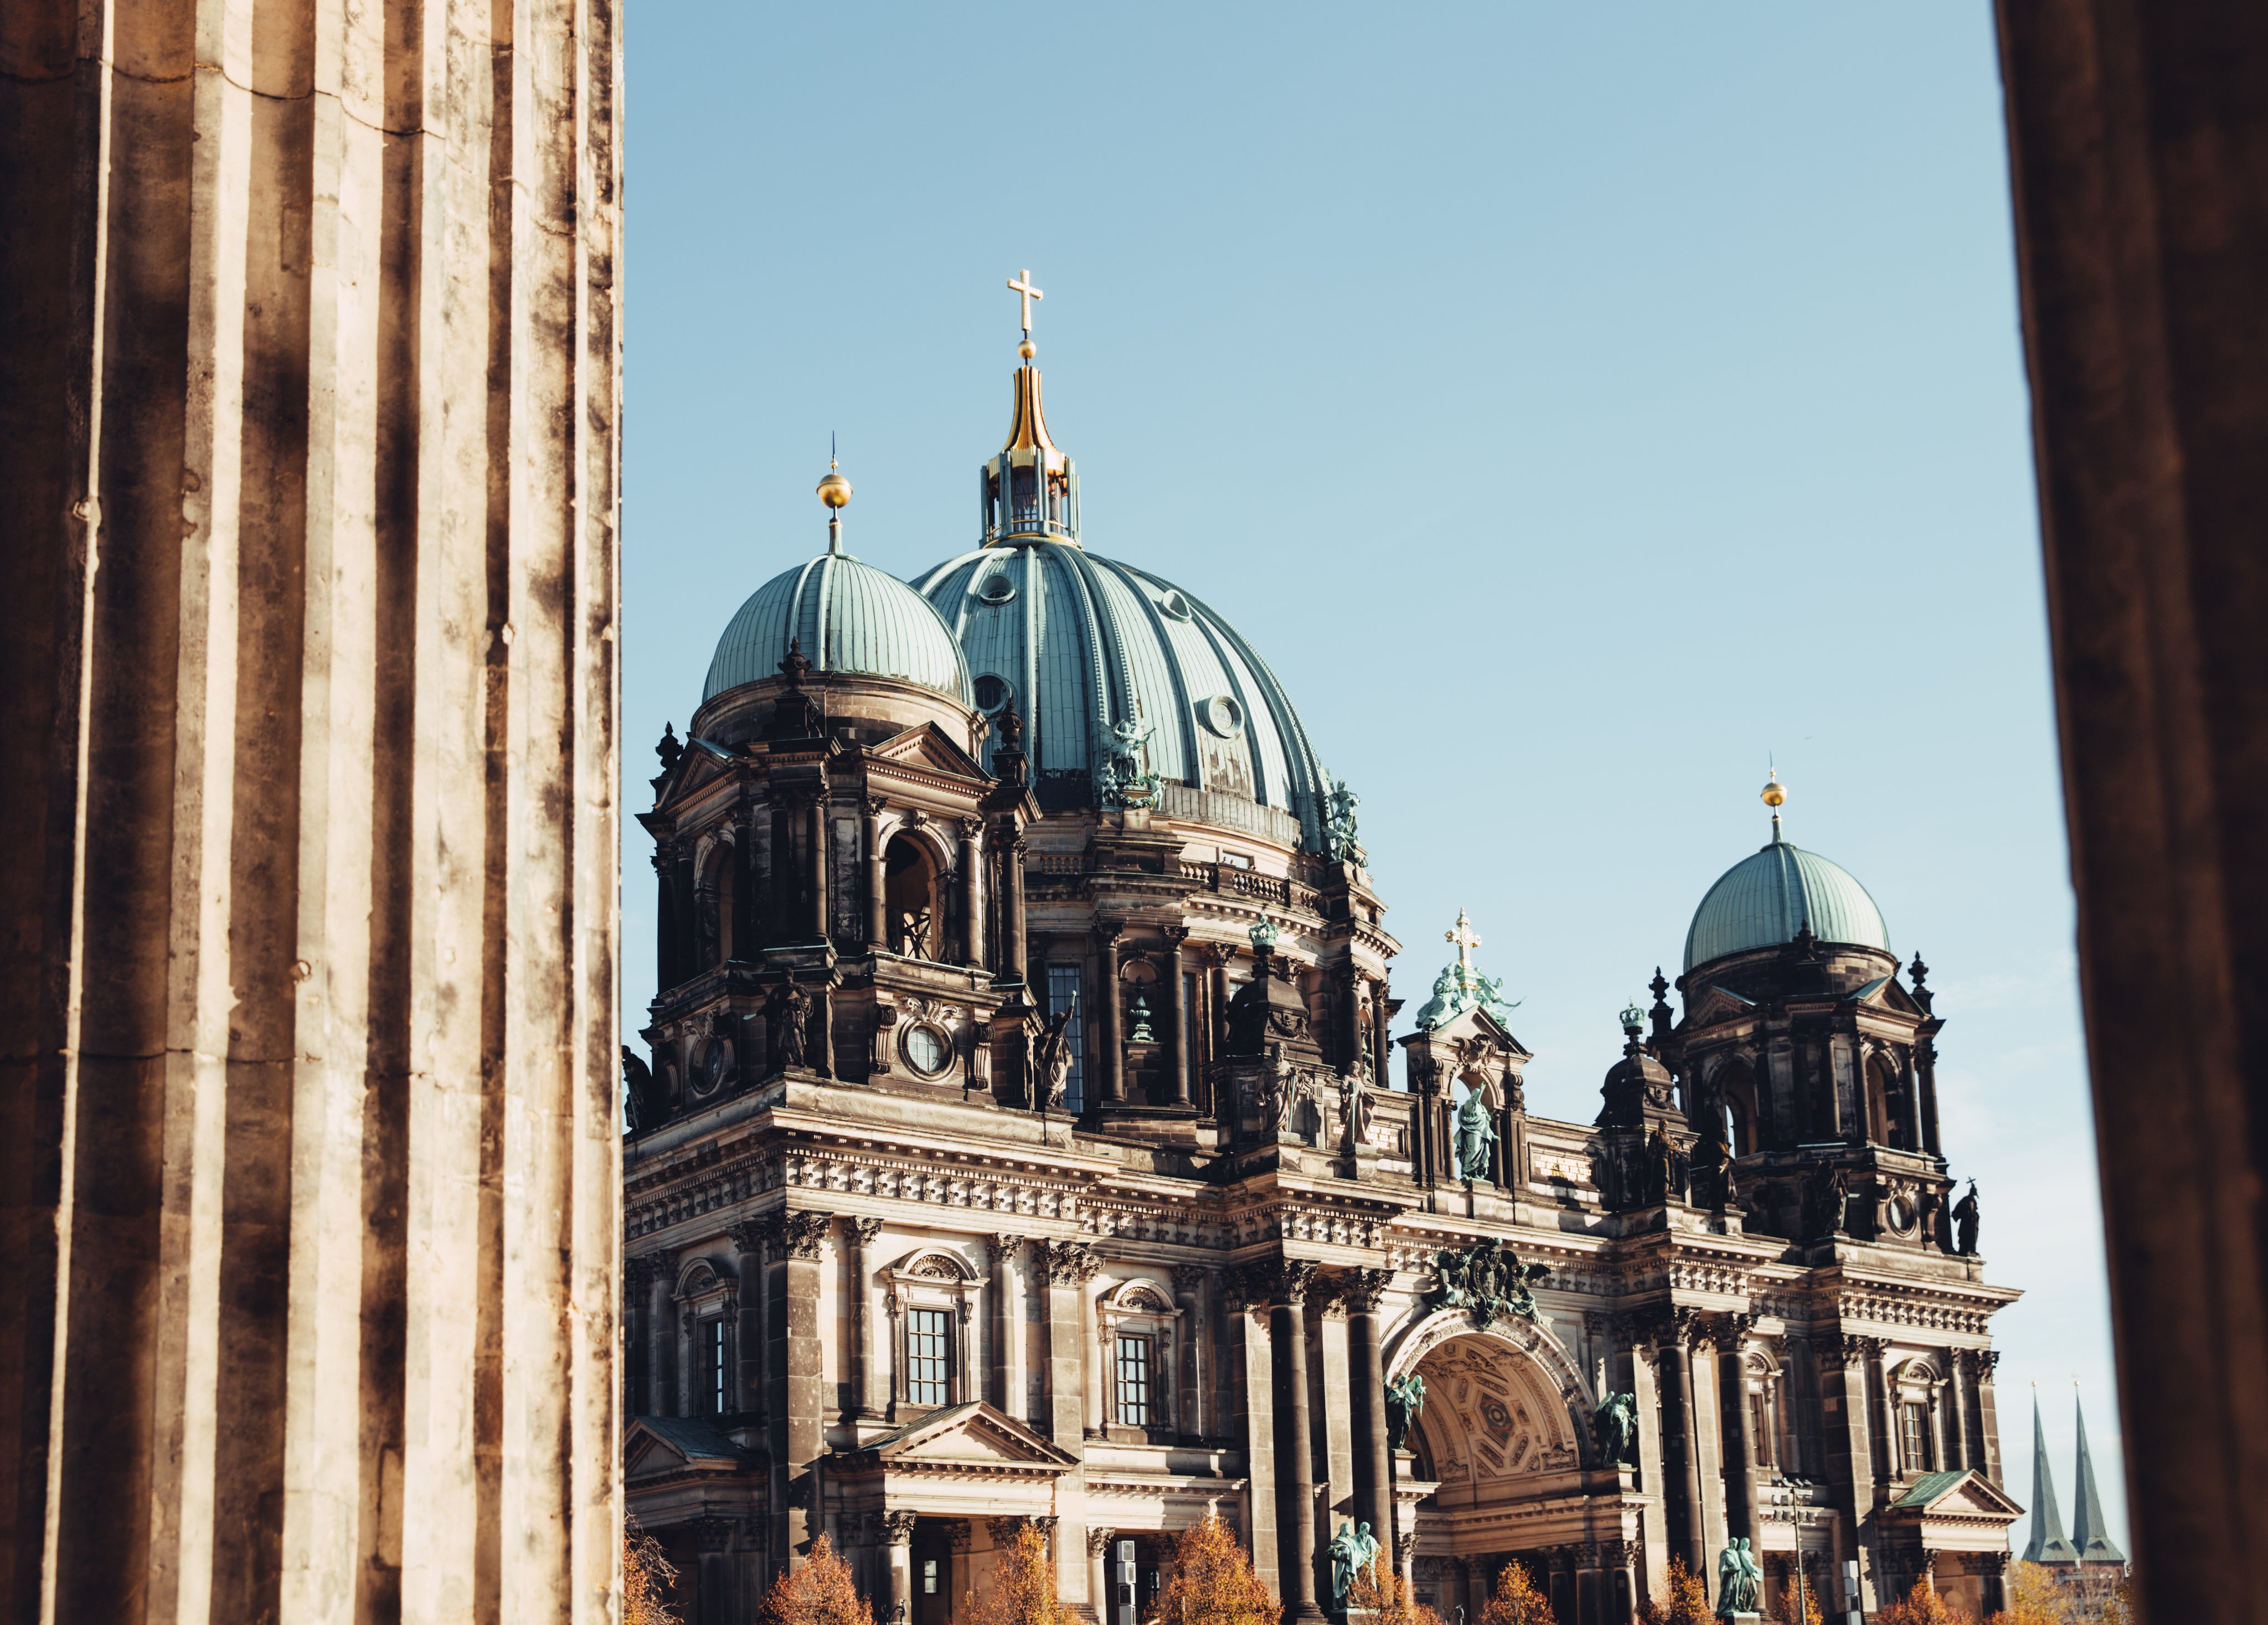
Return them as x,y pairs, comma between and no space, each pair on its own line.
910,899
932,1300
1736,1087
1139,1322
1888,1118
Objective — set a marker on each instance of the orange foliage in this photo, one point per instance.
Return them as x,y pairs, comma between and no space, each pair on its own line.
1388,1597
1517,1602
820,1592
1023,1588
1921,1606
1213,1581
1688,1603
647,1576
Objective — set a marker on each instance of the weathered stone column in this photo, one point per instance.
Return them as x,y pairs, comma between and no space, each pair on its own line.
1730,1334
972,892
796,1371
1013,847
1373,1475
660,1271
1107,1016
308,1059
866,1369
898,1533
814,855
1960,1365
1988,1418
1295,1459
1000,1367
1099,1584
877,923
1178,1005
1683,1475
748,1240
1197,1348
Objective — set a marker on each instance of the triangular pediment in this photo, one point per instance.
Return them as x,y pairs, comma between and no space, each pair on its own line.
1477,1021
656,1445
928,746
971,1435
1964,1494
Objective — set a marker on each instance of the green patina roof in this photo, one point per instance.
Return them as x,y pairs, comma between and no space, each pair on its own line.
1768,896
1929,1486
847,616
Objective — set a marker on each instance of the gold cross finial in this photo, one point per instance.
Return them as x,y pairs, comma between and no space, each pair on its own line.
1022,286
1466,938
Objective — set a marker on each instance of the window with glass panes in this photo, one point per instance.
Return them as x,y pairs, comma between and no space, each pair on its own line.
928,1361
1915,1432
714,1352
1760,1421
1190,1025
1133,1380
1063,987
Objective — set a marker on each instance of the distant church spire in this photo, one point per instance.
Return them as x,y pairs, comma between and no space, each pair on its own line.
2048,1545
1030,489
2090,1536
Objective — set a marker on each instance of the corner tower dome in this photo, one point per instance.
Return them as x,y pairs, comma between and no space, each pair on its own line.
845,617
1134,692
1766,898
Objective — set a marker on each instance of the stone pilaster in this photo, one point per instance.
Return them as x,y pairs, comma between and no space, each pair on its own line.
1294,1446
797,1365
1373,1477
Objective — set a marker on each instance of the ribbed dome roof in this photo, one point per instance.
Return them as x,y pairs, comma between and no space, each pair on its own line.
1766,898
1083,644
849,617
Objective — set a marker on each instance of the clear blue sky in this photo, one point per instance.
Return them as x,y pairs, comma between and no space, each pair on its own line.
1573,404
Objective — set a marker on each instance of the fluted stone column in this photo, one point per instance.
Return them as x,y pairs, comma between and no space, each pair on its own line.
878,923
1000,1367
307,672
1013,847
1373,1475
972,893
867,1384
1295,1460
1177,1006
1107,1015
1730,1334
749,1332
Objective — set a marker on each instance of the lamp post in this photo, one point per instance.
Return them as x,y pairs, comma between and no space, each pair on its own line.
1791,1504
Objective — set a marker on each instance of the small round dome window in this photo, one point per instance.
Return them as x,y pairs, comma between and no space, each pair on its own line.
1177,606
925,1049
992,692
996,590
1223,715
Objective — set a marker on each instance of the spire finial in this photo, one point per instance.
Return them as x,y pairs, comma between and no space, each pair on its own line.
834,491
1021,287
1773,795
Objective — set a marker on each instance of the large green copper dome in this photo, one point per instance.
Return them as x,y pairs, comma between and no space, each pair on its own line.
847,616
1766,898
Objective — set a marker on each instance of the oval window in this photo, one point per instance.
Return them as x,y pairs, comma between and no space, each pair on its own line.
996,590
992,692
925,1049
1177,606
1223,715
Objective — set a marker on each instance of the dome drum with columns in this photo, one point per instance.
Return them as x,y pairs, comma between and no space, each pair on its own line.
1018,1143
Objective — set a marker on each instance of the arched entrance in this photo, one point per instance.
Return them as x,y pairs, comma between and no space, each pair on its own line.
1505,1441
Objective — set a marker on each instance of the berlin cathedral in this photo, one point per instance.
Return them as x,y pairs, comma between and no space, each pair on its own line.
1021,1138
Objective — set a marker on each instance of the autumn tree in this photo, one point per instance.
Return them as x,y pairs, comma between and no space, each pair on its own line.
1921,1606
820,1592
647,1576
1213,1581
1023,1587
1784,1611
1517,1602
1688,1601
1385,1597
2033,1599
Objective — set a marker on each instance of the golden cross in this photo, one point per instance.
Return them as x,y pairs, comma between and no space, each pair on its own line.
1466,938
1022,287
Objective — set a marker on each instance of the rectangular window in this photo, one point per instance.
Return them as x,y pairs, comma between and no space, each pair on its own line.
929,1576
1234,860
927,1361
716,1363
1064,983
1134,1381
1760,1423
1916,1432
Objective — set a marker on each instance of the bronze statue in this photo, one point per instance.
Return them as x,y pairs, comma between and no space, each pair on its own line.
1964,1223
642,1108
787,1021
1614,1425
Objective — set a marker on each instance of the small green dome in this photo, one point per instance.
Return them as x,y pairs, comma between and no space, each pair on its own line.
847,616
1768,896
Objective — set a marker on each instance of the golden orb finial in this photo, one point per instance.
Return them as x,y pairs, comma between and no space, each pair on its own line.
834,491
1028,350
1775,793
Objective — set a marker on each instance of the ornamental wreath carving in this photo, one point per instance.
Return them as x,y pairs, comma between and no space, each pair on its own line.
1486,1278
